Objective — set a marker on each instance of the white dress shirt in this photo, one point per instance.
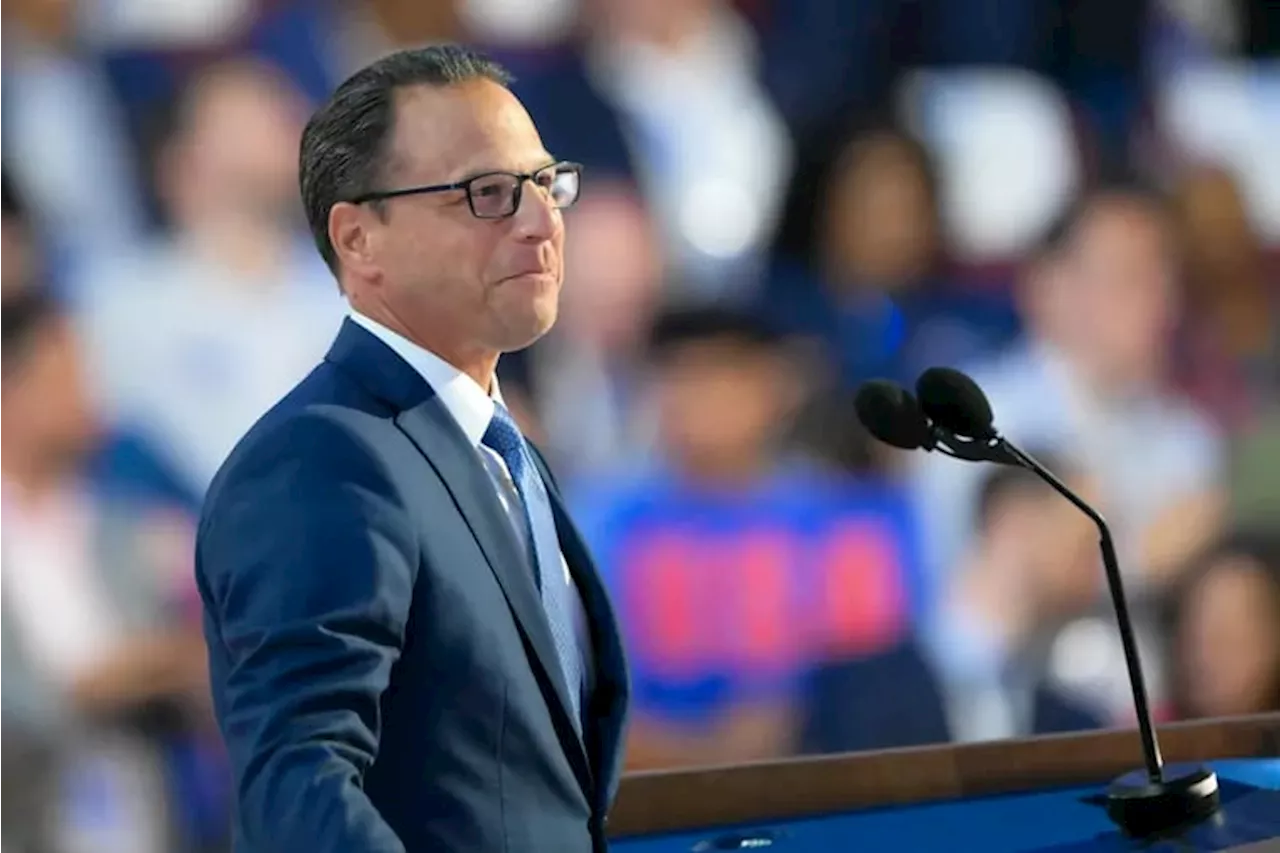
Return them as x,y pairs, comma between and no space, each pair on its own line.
472,409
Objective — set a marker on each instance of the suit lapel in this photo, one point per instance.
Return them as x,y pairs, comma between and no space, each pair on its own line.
428,424
612,689
441,441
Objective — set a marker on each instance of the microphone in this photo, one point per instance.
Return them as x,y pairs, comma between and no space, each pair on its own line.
891,414
1142,804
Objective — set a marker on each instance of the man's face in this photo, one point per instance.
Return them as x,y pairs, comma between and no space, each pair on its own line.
1120,303
721,403
879,226
1229,639
466,285
239,154
614,268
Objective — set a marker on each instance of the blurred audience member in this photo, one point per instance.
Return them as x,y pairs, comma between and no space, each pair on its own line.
734,565
586,374
666,92
1227,630
194,337
1090,382
65,141
873,289
1233,317
102,660
981,674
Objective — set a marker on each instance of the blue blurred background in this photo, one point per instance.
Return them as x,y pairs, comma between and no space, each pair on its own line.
1078,201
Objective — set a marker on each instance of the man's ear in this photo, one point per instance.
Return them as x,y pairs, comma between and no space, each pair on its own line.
353,236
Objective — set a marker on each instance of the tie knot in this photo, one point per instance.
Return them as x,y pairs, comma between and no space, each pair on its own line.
502,435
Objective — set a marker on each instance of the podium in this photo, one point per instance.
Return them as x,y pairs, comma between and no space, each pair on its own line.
1041,793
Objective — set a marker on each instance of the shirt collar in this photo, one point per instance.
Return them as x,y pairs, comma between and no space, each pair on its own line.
461,395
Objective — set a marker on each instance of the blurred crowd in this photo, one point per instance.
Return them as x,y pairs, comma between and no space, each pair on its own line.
1076,202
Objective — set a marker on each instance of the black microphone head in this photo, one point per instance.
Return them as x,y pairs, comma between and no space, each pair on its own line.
891,414
954,402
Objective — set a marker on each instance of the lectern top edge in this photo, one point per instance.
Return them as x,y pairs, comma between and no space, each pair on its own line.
657,801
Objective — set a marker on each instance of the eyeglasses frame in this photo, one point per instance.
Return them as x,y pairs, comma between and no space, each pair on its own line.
465,185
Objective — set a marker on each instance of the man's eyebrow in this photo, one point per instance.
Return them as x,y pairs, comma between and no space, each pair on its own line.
549,160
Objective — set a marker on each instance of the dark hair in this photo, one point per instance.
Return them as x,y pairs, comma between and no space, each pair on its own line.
1119,185
678,327
22,317
844,147
1260,546
344,143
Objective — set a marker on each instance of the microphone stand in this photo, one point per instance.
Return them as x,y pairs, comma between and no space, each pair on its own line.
1161,801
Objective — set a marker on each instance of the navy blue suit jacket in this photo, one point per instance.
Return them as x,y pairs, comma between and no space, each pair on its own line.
383,672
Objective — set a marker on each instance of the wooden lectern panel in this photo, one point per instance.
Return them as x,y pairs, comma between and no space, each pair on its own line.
656,801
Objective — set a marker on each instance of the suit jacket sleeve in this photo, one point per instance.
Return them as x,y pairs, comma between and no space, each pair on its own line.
306,562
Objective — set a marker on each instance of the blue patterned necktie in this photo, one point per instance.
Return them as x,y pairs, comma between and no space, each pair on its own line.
504,438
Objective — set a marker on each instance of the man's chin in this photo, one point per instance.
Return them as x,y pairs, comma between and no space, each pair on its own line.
528,331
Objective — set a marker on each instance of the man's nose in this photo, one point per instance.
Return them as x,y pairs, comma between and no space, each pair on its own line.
537,217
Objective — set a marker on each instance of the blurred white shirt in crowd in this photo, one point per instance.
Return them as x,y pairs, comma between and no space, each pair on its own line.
523,22
713,153
191,355
84,196
1145,453
63,617
146,23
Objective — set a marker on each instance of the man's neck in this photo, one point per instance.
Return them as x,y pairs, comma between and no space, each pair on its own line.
478,363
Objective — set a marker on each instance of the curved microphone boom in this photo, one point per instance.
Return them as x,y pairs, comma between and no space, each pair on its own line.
1141,804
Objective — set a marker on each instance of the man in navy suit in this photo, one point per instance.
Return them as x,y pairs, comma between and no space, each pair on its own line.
410,648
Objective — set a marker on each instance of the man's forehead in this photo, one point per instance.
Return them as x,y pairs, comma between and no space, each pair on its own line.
454,131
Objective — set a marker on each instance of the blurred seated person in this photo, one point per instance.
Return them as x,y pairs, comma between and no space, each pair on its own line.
868,280
103,647
1092,381
1226,630
585,375
981,673
1230,346
193,336
731,561
667,92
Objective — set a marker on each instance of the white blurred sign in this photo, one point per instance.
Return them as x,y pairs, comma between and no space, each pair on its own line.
1006,153
525,22
163,23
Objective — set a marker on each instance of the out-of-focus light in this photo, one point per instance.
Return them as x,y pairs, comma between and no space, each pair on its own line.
718,220
525,22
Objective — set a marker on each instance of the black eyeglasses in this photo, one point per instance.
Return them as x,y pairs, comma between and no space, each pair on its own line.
496,195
